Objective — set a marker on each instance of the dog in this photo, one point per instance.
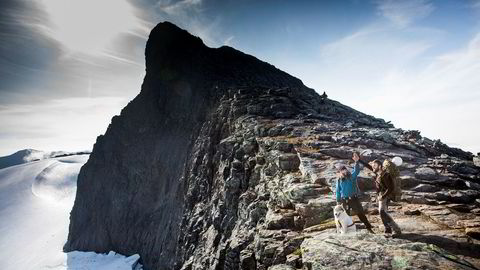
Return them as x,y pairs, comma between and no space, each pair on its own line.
343,221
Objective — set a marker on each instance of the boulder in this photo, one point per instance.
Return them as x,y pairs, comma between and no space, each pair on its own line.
316,171
302,192
409,182
281,267
316,211
247,260
294,260
277,221
458,196
342,153
473,232
426,173
426,188
284,147
415,212
288,162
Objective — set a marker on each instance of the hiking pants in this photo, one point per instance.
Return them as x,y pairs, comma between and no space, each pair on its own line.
387,220
354,203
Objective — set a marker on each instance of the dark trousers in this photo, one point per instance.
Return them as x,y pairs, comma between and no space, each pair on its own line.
354,204
387,220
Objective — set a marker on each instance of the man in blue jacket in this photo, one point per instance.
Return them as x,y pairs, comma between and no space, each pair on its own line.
347,191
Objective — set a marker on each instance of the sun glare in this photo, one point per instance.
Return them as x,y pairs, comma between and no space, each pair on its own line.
88,26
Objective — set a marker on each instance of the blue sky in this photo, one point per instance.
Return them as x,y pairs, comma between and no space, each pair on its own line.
67,67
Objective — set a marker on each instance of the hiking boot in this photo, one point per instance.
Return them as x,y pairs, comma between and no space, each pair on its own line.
370,230
397,232
388,231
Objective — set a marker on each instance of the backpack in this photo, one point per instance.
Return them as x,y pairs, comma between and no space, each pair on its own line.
392,169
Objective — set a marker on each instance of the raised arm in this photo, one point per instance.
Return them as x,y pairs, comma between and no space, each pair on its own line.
356,170
356,158
366,165
356,167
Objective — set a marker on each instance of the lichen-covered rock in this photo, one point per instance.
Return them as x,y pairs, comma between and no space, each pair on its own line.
281,267
317,171
327,250
316,211
302,192
288,162
276,221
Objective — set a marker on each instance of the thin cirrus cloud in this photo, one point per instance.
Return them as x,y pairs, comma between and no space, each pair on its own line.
25,57
51,50
403,13
85,27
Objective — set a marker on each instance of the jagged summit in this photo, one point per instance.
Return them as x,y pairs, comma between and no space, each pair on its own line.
171,45
225,162
174,54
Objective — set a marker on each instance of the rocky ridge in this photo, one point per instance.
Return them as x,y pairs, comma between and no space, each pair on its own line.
225,162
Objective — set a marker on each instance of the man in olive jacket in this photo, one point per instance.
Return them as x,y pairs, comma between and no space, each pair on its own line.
385,186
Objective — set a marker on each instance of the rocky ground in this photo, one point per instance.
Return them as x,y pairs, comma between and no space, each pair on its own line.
225,162
284,169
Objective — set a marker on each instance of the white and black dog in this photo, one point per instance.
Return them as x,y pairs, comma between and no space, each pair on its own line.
343,221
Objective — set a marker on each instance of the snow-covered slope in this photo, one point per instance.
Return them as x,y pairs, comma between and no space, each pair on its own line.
27,155
35,202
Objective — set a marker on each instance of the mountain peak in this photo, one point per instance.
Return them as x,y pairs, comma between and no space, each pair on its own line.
168,44
174,54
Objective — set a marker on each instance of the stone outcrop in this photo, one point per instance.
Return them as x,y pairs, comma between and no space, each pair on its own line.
367,251
224,162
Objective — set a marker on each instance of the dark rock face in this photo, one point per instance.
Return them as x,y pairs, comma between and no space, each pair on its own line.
225,162
133,190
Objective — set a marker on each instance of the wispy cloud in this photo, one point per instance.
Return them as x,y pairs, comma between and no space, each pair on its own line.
56,124
36,61
179,8
229,41
475,4
403,13
70,25
24,55
369,57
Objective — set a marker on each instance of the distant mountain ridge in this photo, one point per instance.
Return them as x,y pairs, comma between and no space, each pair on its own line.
28,155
